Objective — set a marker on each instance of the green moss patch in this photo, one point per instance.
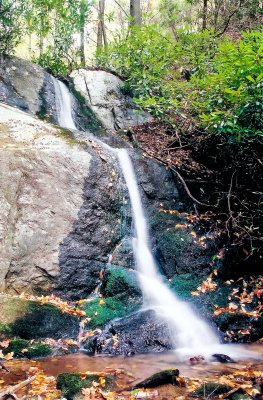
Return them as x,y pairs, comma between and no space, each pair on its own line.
112,307
72,384
24,348
184,284
120,280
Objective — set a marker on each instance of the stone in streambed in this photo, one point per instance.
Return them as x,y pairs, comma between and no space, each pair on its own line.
210,390
223,358
158,379
71,385
141,332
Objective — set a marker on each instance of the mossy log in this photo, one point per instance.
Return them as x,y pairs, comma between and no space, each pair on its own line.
158,379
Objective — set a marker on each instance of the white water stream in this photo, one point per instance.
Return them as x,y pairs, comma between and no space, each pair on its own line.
188,330
192,336
63,105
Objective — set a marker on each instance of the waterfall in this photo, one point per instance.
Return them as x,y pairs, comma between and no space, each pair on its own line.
190,333
192,336
63,105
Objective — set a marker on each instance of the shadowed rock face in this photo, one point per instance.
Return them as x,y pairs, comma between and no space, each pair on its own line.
96,231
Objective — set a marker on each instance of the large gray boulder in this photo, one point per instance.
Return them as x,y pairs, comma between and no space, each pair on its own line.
26,86
102,93
56,224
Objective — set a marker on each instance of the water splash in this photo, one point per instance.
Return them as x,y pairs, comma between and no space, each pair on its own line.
189,331
63,105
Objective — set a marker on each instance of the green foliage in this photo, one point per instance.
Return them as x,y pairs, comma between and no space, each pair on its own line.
143,58
215,81
112,307
231,97
11,29
52,62
53,22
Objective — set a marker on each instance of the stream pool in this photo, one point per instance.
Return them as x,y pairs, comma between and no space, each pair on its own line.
134,368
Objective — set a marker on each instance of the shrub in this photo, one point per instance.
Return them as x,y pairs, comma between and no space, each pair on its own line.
215,82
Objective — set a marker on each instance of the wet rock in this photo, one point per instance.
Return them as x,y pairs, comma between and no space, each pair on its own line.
239,394
85,251
160,378
243,328
138,333
102,92
210,390
223,358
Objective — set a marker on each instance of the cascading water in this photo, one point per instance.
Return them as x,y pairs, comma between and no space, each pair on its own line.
63,105
189,331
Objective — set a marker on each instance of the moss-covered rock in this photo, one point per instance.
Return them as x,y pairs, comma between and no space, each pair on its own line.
184,284
210,390
181,247
102,311
120,281
32,320
122,255
24,348
72,384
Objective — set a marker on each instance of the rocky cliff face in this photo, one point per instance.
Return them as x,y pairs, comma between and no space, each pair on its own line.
45,180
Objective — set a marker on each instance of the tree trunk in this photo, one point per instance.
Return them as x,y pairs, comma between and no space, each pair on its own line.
30,45
101,25
82,45
135,12
41,36
204,23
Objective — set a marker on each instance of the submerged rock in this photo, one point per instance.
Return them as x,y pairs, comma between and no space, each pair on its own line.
223,358
138,333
